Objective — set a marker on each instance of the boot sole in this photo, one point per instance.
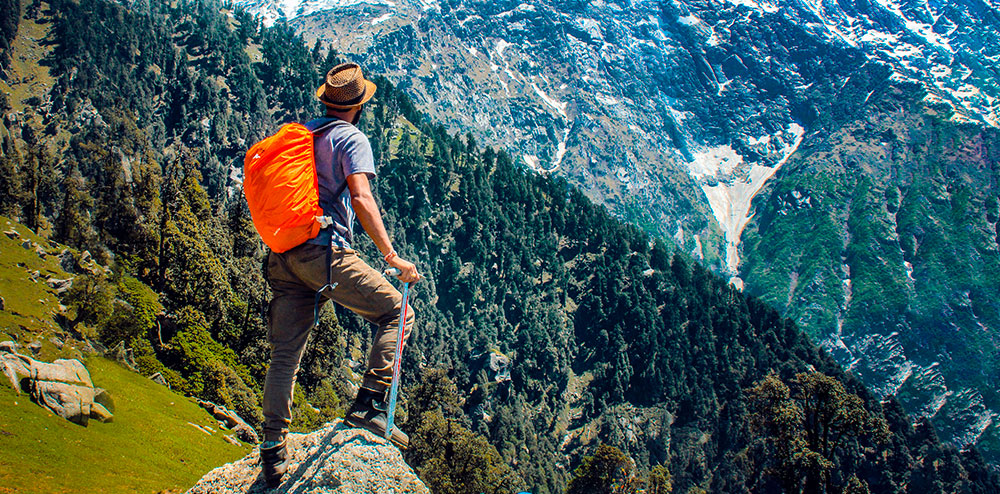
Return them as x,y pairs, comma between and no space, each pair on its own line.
365,426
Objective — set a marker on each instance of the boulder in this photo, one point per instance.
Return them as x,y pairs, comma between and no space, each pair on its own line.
103,398
82,264
15,367
67,262
233,421
159,379
3,303
500,365
334,459
63,386
69,401
101,413
12,234
60,286
69,371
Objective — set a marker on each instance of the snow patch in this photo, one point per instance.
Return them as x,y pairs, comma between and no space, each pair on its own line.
698,252
730,200
532,162
555,105
714,161
291,9
382,18
689,20
589,26
501,46
679,235
560,151
761,6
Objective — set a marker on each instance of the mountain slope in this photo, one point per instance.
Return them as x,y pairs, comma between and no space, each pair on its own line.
679,115
881,238
650,106
610,336
163,439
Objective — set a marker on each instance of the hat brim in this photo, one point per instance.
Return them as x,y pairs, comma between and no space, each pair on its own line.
370,88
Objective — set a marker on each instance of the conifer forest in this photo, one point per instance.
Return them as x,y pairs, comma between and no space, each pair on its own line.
631,367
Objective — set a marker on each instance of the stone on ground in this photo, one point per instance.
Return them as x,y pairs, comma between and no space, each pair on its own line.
332,460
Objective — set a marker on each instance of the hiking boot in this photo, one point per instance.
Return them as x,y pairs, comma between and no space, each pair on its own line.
368,412
274,461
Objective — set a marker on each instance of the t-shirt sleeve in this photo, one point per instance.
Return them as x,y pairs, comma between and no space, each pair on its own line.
358,156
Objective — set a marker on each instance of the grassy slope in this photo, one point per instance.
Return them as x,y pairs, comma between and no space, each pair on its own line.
148,448
30,304
28,76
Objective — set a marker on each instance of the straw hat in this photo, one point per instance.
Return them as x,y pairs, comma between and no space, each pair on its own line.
345,87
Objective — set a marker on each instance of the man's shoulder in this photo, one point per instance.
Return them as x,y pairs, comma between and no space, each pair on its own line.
350,135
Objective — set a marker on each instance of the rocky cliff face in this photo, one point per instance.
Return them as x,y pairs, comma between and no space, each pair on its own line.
682,116
674,114
333,459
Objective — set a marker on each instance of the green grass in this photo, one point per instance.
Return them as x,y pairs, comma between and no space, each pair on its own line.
29,76
29,306
150,447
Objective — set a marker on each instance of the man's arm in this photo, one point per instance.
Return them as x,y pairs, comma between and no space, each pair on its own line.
370,218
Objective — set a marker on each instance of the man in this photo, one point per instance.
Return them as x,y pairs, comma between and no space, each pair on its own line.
344,166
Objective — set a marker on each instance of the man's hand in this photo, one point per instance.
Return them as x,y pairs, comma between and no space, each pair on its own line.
407,270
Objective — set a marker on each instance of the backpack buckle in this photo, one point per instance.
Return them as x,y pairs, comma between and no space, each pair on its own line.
324,221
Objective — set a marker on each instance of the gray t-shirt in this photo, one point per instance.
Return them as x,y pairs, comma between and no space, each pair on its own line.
341,150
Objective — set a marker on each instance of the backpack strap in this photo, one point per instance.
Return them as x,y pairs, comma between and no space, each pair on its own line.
328,222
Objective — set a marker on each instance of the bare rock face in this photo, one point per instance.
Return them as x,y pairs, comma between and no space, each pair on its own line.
334,459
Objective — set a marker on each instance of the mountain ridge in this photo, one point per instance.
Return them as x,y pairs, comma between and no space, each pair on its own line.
611,336
683,117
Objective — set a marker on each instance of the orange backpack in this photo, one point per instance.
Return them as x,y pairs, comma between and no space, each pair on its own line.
282,188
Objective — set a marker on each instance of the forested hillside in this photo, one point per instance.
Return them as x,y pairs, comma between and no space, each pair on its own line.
133,153
880,239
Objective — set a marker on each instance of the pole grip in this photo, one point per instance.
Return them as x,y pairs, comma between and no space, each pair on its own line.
391,272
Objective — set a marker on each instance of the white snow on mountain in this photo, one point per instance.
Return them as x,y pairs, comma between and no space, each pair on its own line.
273,10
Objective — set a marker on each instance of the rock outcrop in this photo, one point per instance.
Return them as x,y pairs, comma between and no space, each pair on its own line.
233,421
334,459
64,386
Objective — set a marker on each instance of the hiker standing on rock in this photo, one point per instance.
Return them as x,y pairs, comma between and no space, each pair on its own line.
344,167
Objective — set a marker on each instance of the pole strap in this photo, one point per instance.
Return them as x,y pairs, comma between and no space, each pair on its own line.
329,278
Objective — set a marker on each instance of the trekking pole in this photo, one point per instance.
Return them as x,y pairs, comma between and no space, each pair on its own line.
398,359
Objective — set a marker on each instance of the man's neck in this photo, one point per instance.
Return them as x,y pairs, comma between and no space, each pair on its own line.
346,116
